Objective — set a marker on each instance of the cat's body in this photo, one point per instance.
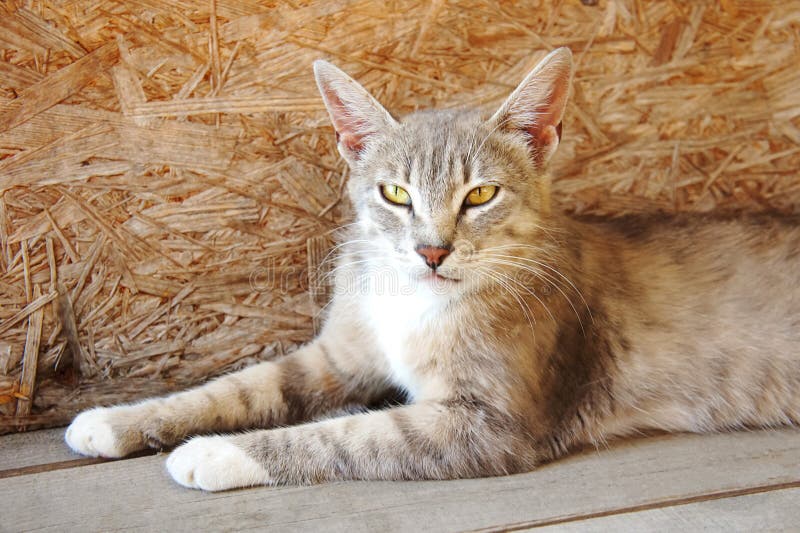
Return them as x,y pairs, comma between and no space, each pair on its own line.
515,332
686,323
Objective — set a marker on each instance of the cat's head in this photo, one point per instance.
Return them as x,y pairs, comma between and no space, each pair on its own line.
446,194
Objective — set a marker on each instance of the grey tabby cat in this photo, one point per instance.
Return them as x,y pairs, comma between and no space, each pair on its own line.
515,332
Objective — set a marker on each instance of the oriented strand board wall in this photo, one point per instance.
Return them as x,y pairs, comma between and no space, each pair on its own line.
163,164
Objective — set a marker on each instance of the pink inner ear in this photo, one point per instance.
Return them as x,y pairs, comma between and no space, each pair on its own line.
542,142
349,129
545,131
549,112
350,143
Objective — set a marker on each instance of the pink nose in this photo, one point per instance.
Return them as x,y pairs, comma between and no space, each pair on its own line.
433,255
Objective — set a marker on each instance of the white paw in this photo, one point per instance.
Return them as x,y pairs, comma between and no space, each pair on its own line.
214,463
91,434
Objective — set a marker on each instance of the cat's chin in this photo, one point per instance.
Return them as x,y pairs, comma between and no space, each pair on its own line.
436,283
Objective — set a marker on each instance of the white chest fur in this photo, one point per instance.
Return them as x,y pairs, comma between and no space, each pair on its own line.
399,318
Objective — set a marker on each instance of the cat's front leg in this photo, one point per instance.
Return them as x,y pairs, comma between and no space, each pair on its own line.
428,440
323,376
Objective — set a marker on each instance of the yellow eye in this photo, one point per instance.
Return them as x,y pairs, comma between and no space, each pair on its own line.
396,195
480,195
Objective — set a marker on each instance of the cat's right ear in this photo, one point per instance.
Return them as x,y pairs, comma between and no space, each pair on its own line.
536,106
355,114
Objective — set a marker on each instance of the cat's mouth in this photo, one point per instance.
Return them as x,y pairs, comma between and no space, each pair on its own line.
435,277
442,277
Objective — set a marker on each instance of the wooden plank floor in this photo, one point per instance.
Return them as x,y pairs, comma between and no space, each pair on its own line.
727,482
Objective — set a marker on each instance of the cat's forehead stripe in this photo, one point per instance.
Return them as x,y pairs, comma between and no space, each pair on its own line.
440,161
466,170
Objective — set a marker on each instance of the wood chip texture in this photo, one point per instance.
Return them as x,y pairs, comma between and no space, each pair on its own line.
163,165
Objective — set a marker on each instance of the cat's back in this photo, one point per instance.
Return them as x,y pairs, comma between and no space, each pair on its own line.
693,249
713,263
682,233
710,306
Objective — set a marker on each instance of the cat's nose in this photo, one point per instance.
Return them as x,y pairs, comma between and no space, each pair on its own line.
433,255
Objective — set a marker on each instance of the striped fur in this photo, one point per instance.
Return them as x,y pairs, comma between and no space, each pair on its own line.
541,334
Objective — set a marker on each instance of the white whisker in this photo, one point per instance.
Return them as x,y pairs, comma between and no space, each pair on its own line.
508,288
532,293
552,269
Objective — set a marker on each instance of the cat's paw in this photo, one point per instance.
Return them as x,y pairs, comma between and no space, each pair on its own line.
91,434
215,463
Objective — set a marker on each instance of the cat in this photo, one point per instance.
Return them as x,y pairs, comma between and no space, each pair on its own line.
516,333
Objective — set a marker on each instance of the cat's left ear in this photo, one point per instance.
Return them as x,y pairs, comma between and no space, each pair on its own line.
355,114
536,106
